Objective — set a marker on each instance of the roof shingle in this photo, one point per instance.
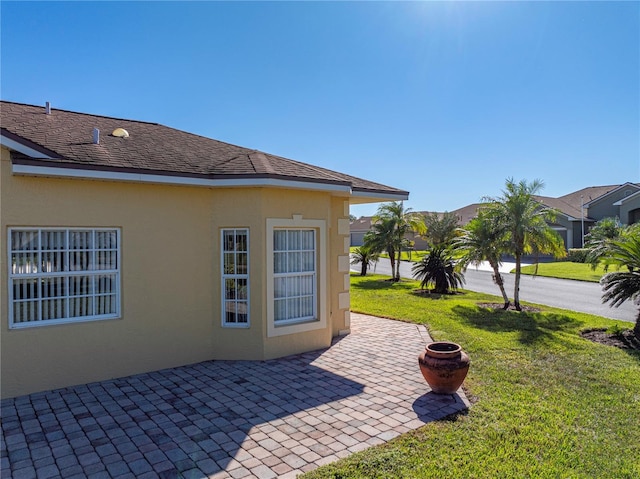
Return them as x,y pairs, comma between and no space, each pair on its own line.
152,148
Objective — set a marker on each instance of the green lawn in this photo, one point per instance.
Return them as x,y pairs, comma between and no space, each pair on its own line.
408,256
566,270
547,403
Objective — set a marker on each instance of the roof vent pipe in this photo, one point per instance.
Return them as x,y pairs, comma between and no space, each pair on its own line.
96,136
47,108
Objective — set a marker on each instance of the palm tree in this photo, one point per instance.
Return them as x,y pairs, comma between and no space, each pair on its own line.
599,237
483,240
441,228
524,220
379,239
439,268
391,224
365,257
620,286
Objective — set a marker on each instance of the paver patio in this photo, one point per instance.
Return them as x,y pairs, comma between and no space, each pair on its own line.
262,419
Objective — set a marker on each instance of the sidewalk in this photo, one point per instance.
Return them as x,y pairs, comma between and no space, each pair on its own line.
504,267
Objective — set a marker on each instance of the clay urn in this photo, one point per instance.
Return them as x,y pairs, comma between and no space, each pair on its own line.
444,366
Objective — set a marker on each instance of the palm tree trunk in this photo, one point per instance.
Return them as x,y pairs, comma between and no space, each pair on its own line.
516,291
497,278
636,328
392,258
398,266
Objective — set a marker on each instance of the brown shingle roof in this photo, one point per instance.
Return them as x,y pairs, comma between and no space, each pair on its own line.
561,205
571,203
152,148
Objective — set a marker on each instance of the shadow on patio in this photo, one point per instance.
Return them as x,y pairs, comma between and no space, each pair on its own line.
264,419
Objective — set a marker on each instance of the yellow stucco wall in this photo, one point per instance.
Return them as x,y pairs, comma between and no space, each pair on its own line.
170,277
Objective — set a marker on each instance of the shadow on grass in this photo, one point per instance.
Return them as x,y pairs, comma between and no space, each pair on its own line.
380,284
423,406
377,284
429,294
532,327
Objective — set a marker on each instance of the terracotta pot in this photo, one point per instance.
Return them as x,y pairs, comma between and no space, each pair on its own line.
444,366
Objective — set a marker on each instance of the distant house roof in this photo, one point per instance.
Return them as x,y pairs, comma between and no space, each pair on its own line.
464,214
629,187
361,224
467,213
561,205
586,195
571,204
63,140
626,199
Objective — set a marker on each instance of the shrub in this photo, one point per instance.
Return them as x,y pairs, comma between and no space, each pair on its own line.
578,255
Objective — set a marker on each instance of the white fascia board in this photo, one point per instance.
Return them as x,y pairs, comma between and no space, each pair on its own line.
379,196
20,148
626,185
626,198
31,170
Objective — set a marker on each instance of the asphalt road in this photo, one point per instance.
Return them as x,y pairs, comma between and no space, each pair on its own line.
560,293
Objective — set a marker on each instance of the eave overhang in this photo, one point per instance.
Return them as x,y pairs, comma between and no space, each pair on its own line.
34,160
172,178
22,145
361,196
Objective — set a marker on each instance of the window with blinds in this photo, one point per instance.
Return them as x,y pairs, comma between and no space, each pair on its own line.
61,275
294,271
235,277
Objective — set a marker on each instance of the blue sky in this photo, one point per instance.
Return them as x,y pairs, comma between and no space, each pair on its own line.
444,99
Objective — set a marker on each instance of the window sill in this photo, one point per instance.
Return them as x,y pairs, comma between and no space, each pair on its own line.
302,326
56,322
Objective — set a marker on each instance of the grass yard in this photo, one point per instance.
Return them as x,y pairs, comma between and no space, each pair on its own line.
566,270
547,403
408,256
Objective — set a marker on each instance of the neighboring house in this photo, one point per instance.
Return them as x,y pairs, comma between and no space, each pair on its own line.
588,206
629,208
358,229
583,207
360,226
135,247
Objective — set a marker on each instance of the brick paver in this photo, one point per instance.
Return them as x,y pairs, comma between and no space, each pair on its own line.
259,419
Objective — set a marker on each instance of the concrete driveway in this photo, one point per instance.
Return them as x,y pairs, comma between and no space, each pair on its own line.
262,419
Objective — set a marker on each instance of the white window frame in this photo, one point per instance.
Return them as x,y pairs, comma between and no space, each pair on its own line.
320,319
66,273
233,276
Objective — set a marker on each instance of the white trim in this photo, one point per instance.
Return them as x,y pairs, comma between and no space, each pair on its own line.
67,320
618,188
32,170
379,195
321,276
61,172
626,198
224,276
20,148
